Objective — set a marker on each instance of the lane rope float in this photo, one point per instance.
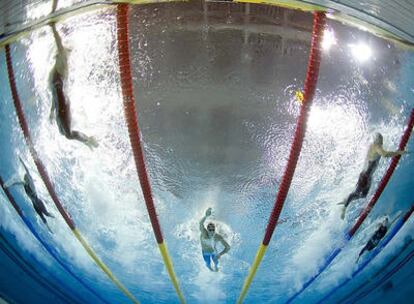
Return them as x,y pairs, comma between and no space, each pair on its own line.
131,119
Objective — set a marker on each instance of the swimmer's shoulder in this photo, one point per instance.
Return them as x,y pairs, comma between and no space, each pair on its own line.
374,152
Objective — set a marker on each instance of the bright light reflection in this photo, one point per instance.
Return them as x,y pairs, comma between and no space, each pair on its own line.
328,39
334,122
361,51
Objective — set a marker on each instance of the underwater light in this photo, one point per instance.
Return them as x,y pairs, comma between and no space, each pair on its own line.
328,39
361,51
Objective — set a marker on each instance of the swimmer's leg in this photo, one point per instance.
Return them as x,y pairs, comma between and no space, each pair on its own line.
44,221
216,261
87,140
47,213
40,208
357,194
42,217
206,257
362,252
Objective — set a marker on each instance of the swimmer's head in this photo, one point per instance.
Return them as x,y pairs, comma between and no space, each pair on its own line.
378,139
385,221
211,228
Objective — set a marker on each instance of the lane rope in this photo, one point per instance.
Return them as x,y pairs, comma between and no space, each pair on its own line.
131,119
387,276
31,271
349,296
46,180
312,74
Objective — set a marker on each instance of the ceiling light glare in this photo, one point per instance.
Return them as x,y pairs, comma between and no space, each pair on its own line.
361,51
328,39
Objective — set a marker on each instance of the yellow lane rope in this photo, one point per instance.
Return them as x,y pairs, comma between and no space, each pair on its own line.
170,269
102,265
259,256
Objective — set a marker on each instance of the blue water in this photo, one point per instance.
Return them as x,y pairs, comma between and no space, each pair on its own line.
217,111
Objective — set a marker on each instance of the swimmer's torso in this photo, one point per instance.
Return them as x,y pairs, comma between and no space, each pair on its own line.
208,244
372,161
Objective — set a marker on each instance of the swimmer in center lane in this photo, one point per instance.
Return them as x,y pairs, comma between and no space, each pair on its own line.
209,239
60,110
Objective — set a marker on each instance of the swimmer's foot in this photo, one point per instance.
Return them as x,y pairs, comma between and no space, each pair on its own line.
91,142
343,212
47,213
48,228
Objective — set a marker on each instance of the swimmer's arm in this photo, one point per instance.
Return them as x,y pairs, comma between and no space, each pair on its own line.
225,244
380,150
52,110
207,214
202,228
15,180
58,40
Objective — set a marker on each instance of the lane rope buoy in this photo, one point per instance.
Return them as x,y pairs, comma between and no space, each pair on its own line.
131,119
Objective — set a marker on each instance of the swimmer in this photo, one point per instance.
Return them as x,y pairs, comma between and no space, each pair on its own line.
60,110
374,154
378,235
30,190
209,239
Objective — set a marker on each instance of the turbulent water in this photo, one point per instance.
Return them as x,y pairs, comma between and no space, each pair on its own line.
215,95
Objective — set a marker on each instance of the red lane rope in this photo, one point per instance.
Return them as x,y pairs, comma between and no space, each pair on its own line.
23,124
385,179
309,91
132,118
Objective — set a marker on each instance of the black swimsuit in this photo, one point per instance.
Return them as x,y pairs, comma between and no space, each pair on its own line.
38,205
376,238
365,178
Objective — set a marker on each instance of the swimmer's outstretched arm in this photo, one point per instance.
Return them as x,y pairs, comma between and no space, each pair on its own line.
14,180
52,114
384,153
58,40
28,178
224,243
203,219
54,5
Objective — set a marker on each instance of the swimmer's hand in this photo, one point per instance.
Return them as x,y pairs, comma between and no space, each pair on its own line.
51,116
91,142
208,212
